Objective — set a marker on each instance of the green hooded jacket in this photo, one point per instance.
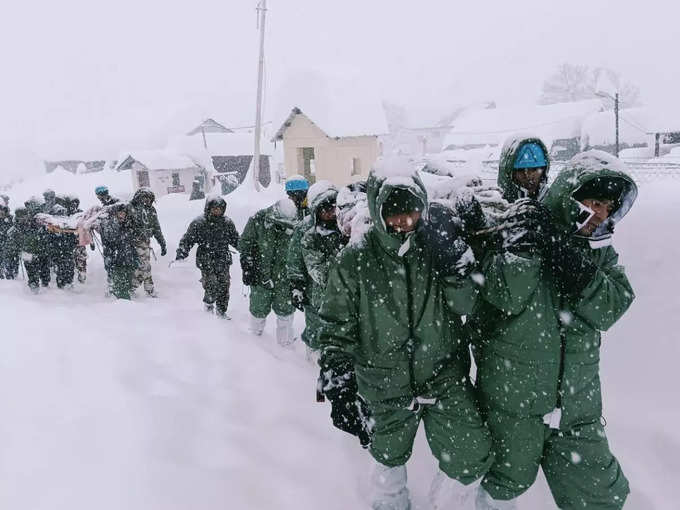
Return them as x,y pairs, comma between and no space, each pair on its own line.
145,217
26,235
319,247
537,349
511,147
295,264
265,241
387,314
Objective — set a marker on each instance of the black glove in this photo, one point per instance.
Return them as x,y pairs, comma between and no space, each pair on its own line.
533,230
249,271
443,232
349,411
164,250
571,266
524,227
92,246
298,295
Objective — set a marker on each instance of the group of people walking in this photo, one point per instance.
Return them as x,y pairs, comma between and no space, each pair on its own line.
485,327
50,236
525,295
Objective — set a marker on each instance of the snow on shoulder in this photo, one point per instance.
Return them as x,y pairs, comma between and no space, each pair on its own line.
397,169
286,208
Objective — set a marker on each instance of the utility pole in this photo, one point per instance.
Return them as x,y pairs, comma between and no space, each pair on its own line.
261,14
616,116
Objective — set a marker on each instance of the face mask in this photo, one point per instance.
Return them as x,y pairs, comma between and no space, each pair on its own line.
583,216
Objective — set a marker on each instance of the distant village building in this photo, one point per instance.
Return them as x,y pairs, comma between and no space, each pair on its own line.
332,151
559,125
227,155
75,166
163,171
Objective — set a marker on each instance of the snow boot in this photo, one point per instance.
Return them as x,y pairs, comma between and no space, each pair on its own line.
486,502
222,314
257,325
151,293
82,277
447,493
388,488
209,307
284,330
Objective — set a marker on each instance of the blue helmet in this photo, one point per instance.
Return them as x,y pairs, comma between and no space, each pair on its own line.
297,183
530,155
101,190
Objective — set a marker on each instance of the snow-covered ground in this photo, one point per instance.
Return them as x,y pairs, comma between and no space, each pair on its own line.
154,405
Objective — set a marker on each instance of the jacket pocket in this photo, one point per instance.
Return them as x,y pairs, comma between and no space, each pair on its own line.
581,394
508,384
376,384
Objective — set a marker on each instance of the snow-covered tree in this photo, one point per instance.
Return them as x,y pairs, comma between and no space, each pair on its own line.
579,82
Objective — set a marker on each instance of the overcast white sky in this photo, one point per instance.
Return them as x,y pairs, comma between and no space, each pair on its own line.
88,79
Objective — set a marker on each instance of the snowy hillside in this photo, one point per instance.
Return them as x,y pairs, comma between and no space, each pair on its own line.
154,405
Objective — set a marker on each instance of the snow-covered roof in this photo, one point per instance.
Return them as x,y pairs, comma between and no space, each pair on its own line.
209,126
599,128
156,160
219,144
361,118
492,126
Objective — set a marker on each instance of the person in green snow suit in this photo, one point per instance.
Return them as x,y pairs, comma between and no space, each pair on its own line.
392,329
28,241
214,233
263,248
316,251
296,271
120,255
523,168
7,262
547,300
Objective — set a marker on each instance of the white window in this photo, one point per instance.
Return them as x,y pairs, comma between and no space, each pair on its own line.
356,166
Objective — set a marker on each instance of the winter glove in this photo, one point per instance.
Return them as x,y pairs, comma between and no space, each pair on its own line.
571,266
298,295
443,233
533,230
349,411
248,268
164,250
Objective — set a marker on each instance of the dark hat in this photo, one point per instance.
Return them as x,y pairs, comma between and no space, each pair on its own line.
401,201
610,188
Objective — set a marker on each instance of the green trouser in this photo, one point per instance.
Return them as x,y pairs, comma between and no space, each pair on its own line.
216,287
578,465
453,426
264,299
310,336
121,281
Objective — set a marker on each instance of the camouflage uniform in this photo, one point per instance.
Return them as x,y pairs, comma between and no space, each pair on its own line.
146,225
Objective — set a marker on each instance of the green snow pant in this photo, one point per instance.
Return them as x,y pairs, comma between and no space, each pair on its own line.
216,287
454,429
310,336
121,281
264,299
578,465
